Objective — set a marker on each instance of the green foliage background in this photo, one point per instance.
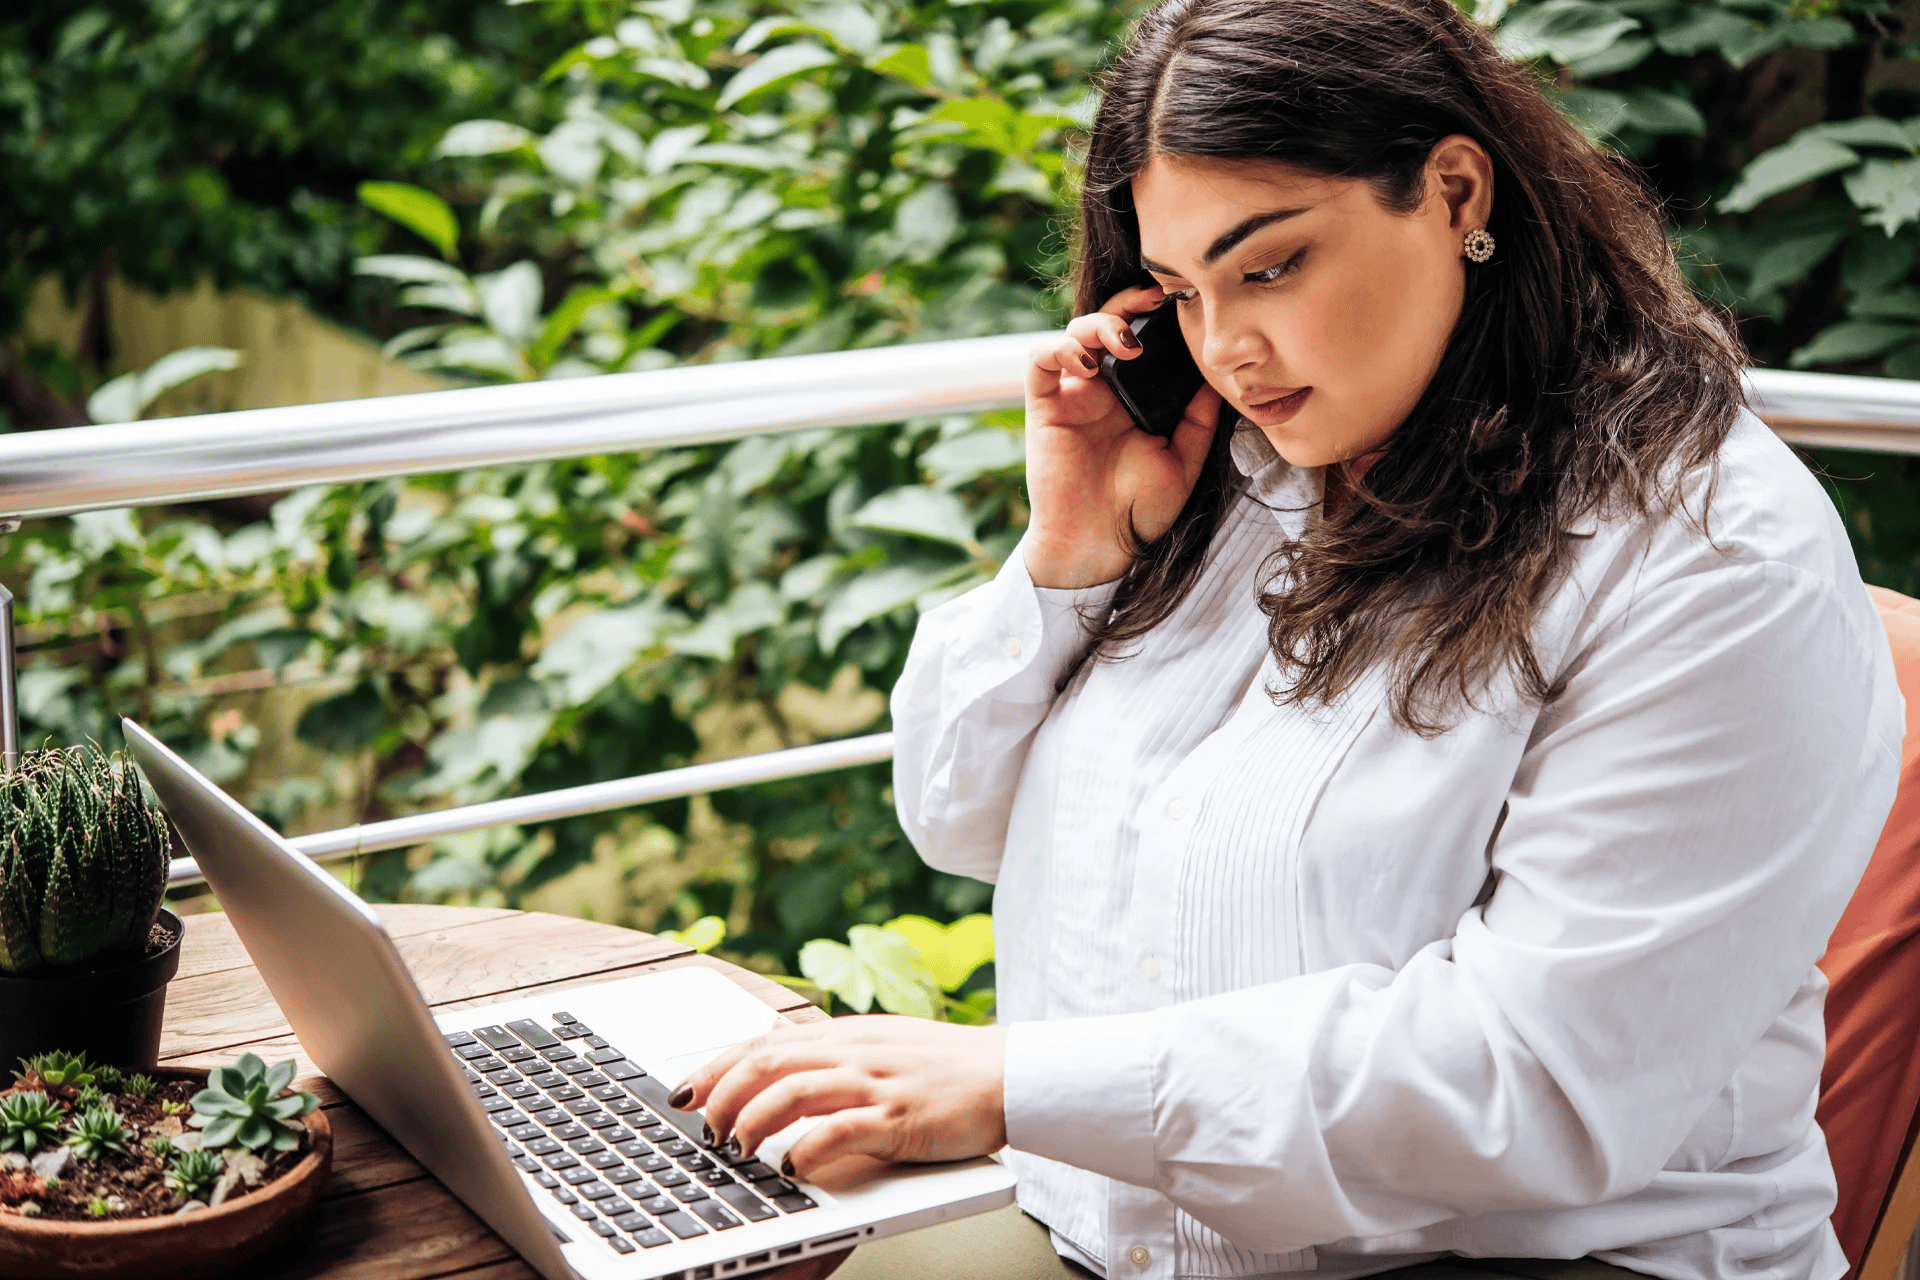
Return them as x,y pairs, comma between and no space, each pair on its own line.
571,187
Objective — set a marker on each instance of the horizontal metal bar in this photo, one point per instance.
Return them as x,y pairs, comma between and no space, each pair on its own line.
1839,411
263,450
569,802
217,455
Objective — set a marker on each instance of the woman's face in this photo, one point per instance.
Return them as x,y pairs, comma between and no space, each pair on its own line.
1317,312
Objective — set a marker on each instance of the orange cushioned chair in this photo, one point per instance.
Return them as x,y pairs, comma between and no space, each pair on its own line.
1870,1091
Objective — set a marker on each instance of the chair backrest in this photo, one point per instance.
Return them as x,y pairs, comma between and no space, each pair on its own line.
1870,1090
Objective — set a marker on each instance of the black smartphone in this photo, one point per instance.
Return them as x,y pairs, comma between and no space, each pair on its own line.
1157,385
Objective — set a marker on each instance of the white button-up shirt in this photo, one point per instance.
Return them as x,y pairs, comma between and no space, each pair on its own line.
1293,989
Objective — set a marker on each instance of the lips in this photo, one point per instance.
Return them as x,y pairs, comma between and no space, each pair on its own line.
1270,408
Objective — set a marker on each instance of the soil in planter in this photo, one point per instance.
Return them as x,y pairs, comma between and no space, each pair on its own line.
138,1178
159,938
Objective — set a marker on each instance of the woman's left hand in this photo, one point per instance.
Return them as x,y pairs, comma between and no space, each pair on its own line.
891,1088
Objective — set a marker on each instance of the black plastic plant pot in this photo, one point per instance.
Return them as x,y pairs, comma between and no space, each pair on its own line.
112,1016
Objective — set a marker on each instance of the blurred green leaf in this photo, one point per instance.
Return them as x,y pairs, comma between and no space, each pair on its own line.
346,722
1785,167
282,646
125,398
411,269
1866,131
563,320
1887,192
873,966
967,457
1874,263
874,594
1789,260
910,62
834,968
418,210
773,68
1852,340
1564,30
920,512
1901,303
1707,27
483,138
952,952
703,935
901,981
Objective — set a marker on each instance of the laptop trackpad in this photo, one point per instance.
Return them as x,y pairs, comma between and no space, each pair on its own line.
689,1015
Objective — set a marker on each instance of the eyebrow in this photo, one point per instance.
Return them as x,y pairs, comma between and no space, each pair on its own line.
1226,243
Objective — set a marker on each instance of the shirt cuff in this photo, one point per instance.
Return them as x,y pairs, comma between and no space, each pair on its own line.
1080,1091
1025,638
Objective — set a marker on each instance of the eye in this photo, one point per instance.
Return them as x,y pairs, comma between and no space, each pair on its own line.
1182,297
1277,271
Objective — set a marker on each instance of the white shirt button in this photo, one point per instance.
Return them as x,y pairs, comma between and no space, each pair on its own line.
1139,1256
1012,645
1176,808
1150,967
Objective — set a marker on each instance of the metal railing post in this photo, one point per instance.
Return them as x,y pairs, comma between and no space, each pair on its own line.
9,711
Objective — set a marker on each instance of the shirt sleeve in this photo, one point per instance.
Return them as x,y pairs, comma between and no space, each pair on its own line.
982,674
1684,829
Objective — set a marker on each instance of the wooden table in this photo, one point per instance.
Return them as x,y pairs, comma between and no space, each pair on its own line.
384,1217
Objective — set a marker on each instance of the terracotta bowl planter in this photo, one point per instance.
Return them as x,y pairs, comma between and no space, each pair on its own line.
207,1242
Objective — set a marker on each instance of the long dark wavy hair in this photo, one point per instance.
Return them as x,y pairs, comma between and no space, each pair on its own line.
1583,378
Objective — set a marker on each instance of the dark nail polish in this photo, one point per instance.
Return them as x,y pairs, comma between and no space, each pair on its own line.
706,1132
786,1166
1128,341
680,1097
734,1148
1089,362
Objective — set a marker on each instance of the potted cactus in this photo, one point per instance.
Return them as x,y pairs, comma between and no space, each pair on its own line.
86,950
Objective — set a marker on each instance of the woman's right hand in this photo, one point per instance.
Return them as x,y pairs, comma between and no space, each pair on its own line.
1090,471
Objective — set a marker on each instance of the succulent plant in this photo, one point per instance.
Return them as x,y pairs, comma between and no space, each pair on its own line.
88,1098
83,860
55,1069
193,1173
94,1133
97,1208
174,1108
28,1120
162,1147
109,1078
138,1086
242,1107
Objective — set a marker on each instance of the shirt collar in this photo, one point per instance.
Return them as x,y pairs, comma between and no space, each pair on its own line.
1271,478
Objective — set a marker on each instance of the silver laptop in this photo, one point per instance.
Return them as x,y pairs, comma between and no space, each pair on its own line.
546,1114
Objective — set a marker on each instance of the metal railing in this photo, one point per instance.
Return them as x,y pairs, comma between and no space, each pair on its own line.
220,455
1838,411
596,797
47,473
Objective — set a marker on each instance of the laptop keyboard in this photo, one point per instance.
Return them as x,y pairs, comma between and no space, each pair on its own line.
593,1130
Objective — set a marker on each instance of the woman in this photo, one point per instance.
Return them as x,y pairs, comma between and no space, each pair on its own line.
1417,791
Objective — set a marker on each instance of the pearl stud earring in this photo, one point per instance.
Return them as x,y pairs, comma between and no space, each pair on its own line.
1479,245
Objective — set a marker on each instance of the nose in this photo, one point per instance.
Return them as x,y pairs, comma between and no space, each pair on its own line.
1231,340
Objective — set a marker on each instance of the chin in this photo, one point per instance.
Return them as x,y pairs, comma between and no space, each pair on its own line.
1305,441
1302,446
